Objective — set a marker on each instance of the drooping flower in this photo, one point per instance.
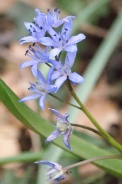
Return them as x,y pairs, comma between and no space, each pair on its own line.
63,71
38,56
55,173
62,41
63,127
41,88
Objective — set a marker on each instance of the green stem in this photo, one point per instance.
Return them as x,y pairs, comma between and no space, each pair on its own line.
87,128
92,160
105,135
64,101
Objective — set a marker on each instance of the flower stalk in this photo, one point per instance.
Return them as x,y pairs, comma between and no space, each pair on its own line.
104,134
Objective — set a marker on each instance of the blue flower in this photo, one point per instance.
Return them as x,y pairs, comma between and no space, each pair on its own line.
41,88
63,71
36,30
63,127
62,41
38,56
55,173
53,19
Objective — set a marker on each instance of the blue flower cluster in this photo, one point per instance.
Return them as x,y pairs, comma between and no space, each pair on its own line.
54,43
47,49
50,36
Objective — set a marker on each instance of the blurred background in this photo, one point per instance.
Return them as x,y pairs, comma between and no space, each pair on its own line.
94,19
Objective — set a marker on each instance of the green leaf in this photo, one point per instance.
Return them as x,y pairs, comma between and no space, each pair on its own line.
80,148
22,157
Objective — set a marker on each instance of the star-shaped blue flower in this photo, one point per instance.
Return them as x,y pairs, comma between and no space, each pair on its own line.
41,88
62,41
63,71
36,29
63,127
38,56
55,173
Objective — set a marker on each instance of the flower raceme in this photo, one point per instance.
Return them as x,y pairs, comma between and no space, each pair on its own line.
63,127
47,47
41,88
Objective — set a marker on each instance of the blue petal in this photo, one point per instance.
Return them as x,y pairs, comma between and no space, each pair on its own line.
28,39
55,75
53,136
70,58
66,137
57,113
47,41
53,34
50,75
28,25
51,164
56,64
52,88
41,101
54,52
27,63
31,97
76,39
71,48
41,77
67,28
34,69
76,78
60,81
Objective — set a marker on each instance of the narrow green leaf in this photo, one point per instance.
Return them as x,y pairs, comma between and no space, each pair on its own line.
22,157
80,148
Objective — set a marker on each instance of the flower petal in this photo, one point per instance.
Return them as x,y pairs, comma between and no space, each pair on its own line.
41,77
41,101
55,75
28,63
70,57
66,137
57,113
53,136
60,81
52,88
76,39
28,39
71,48
54,52
51,164
34,69
47,41
76,78
66,29
50,75
30,97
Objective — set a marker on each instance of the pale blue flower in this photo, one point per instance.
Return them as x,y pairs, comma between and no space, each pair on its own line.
38,56
62,41
36,29
53,18
63,127
63,71
55,171
41,88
